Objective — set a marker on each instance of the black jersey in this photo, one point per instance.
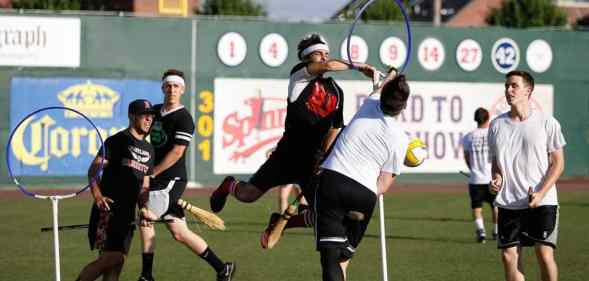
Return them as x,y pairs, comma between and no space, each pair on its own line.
169,129
129,161
317,108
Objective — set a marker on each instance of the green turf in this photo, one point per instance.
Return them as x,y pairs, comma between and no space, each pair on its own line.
429,237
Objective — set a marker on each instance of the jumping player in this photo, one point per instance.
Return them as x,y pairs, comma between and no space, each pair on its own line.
171,134
127,165
526,148
366,159
476,156
314,116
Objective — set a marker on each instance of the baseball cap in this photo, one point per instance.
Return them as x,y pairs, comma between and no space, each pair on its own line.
140,106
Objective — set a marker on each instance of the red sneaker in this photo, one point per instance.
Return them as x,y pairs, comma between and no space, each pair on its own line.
266,234
219,196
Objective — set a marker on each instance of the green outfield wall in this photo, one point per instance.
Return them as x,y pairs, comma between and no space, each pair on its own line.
228,79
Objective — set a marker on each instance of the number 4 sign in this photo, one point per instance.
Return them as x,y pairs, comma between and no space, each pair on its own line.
273,49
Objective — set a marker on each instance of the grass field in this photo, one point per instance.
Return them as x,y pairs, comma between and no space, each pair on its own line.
430,236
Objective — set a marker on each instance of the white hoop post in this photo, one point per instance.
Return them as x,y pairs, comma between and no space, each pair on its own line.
383,245
54,205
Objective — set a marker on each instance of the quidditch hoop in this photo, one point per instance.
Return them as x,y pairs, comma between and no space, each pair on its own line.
407,28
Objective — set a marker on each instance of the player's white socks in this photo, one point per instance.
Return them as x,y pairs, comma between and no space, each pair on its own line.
495,229
479,224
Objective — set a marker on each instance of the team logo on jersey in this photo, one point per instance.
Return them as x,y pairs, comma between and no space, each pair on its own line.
157,135
140,156
320,101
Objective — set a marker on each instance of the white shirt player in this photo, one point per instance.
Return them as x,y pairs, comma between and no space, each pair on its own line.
371,143
521,151
475,143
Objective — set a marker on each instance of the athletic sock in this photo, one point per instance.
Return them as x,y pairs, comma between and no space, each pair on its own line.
230,188
147,260
304,219
495,229
479,224
209,256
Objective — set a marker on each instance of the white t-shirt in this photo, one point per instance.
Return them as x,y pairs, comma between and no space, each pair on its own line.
371,143
521,150
475,143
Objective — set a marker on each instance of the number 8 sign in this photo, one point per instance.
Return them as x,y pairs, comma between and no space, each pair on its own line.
505,55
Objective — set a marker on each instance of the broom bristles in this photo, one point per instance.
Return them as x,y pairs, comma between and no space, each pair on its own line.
209,219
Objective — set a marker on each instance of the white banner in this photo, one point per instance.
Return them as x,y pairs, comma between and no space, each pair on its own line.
249,121
39,42
250,114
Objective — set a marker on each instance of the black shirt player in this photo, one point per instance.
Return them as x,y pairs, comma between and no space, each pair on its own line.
314,116
127,165
170,135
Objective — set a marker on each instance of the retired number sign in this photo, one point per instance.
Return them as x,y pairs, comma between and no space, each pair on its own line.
231,49
273,49
393,52
505,55
469,55
431,54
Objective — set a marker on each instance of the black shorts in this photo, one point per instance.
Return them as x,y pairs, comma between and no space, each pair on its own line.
527,227
172,196
480,193
283,167
109,231
337,195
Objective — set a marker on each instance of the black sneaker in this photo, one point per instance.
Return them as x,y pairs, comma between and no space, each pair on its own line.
143,278
228,271
219,196
481,236
495,235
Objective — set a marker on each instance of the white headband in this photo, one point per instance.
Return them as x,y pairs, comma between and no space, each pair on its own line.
313,48
173,78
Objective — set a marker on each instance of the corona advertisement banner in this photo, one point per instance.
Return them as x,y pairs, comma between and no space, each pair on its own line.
61,142
250,114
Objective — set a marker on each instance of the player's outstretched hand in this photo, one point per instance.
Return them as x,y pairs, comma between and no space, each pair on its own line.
103,203
367,70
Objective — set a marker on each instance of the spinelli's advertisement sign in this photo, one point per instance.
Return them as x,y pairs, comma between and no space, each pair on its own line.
60,142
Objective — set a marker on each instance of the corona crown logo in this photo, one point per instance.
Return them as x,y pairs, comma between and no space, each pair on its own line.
93,100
